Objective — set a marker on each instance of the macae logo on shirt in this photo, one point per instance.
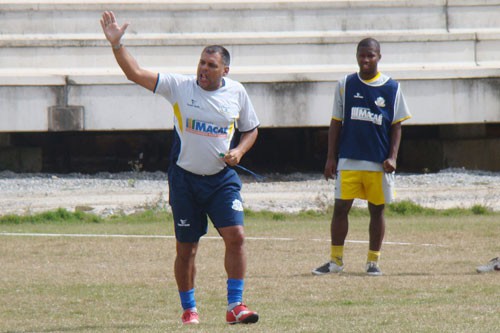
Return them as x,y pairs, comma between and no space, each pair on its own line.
358,95
365,114
206,129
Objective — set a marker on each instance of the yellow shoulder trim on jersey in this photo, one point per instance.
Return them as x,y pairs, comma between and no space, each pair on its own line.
177,113
337,119
401,120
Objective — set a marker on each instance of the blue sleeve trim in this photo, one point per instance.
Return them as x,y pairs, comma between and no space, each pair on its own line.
250,129
156,85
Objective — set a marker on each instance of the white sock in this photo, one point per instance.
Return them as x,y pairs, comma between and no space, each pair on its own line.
232,305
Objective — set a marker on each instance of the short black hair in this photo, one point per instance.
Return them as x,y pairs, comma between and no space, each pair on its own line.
369,42
224,53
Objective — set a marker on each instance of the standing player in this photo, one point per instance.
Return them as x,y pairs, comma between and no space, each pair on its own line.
206,108
363,144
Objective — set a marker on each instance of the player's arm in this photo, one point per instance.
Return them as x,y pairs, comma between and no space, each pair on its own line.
390,163
127,63
333,149
247,140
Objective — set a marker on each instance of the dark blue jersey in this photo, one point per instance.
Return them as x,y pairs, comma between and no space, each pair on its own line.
367,120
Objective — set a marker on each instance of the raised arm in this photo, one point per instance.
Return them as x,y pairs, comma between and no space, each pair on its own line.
127,63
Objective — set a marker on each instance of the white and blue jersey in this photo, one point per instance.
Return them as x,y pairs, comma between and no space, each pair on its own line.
367,110
204,121
200,185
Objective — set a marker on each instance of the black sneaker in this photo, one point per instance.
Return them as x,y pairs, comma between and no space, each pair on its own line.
329,267
372,269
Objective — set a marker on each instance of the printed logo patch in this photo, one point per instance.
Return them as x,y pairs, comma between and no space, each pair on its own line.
237,205
183,223
380,102
205,129
194,104
229,110
365,114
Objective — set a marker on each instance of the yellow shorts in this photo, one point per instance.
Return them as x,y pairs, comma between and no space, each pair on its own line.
376,187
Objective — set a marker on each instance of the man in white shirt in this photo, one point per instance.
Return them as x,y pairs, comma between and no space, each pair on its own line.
206,109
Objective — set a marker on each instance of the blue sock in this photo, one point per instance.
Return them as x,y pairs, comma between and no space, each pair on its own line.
235,290
187,299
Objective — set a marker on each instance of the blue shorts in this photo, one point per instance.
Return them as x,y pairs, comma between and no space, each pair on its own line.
193,198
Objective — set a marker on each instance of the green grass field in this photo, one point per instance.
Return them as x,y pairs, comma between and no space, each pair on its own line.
91,283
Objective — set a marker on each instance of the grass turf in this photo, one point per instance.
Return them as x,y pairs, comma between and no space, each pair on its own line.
126,284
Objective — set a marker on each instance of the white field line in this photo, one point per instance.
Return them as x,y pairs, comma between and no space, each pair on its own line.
20,234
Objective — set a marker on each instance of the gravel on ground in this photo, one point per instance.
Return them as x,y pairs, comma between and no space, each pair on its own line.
128,192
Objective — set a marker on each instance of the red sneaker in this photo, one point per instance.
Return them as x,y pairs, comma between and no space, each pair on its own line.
190,317
241,315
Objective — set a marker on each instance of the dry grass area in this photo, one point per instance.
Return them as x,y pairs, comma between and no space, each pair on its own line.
119,284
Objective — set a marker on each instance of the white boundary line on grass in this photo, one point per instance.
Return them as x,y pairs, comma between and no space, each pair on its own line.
20,234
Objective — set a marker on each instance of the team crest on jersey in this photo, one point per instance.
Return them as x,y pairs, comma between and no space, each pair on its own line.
224,109
237,205
230,111
380,102
205,129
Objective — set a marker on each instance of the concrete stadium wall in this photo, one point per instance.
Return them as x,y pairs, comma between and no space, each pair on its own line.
59,79
54,54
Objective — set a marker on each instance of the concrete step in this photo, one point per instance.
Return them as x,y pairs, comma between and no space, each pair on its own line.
188,16
44,76
185,16
288,54
284,96
473,14
251,49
